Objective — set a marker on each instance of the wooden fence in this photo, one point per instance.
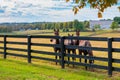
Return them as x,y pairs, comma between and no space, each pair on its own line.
110,60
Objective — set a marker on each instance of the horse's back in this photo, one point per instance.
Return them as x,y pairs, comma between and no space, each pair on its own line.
82,42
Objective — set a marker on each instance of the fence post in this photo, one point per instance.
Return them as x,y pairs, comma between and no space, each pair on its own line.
5,46
29,48
62,53
110,57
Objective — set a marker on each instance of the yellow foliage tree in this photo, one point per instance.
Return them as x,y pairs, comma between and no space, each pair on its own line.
101,5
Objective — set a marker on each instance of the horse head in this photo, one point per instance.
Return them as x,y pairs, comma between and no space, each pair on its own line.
77,32
56,33
76,42
70,41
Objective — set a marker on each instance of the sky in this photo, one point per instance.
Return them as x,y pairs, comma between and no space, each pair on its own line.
48,11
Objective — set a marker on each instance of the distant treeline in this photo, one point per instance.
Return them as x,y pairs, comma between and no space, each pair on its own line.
65,26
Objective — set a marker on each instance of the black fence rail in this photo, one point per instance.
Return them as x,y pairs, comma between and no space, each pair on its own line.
110,60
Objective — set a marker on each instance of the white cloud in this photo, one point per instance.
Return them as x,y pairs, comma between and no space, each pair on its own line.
47,10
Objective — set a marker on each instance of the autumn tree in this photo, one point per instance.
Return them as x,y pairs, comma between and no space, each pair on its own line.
101,5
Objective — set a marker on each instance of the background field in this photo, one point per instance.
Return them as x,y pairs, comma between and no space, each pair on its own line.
77,71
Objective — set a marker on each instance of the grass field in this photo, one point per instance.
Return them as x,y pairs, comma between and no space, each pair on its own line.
17,70
50,32
39,68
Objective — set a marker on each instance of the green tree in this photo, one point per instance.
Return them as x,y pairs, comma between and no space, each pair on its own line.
78,25
71,24
43,26
61,25
65,25
57,25
117,19
87,24
49,26
114,25
97,27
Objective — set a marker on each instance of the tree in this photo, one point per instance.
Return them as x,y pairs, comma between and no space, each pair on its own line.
61,25
87,24
97,27
101,5
57,26
114,25
117,19
65,25
78,25
43,26
71,25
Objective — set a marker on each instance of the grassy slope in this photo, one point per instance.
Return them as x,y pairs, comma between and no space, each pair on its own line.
15,70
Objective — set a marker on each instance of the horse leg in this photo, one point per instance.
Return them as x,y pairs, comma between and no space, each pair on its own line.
55,56
74,52
80,53
91,54
86,62
68,57
92,60
85,53
59,56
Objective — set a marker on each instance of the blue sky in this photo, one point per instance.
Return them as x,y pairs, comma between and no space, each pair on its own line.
48,10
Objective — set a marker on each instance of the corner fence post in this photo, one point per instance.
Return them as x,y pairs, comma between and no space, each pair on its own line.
5,46
110,57
62,53
29,48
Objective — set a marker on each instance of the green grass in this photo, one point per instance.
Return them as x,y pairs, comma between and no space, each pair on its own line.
16,70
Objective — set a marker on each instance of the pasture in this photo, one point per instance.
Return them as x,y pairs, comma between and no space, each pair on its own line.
50,49
17,70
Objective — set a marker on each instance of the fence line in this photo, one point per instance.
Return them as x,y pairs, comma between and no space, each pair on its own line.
62,61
